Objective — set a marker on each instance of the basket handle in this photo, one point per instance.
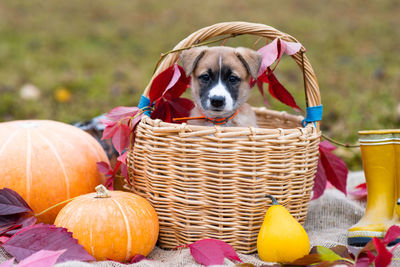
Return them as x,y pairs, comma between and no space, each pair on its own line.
313,97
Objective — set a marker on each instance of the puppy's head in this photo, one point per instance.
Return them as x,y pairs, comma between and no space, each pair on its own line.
220,77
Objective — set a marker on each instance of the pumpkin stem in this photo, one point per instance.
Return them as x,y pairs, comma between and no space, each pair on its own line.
54,206
274,201
102,191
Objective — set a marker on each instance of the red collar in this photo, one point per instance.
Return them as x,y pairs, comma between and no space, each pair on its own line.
215,120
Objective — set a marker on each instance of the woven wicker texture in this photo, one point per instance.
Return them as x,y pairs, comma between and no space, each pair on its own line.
210,182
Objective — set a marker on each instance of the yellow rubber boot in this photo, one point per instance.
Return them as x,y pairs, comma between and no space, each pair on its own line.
396,141
378,158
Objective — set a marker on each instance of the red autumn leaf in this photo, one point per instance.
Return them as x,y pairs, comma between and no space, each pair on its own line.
277,90
391,235
174,78
7,221
124,168
260,86
21,223
119,113
292,48
108,172
166,80
320,181
212,252
270,53
14,211
160,83
110,128
9,228
138,258
166,109
135,121
308,260
104,168
12,203
161,111
121,138
363,262
3,239
371,257
384,256
45,237
274,51
334,167
7,263
180,86
359,192
42,258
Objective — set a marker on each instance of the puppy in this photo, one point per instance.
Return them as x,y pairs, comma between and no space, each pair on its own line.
220,84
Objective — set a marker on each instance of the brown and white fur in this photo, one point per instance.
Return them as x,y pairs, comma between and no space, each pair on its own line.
220,83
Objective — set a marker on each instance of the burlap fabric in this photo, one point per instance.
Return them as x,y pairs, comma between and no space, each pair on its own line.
328,219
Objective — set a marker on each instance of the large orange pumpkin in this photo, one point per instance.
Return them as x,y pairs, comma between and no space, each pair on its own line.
113,225
47,162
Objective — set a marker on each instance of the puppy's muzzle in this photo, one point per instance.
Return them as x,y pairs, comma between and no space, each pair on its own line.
217,102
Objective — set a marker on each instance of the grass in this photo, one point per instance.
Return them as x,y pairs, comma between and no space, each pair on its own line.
103,53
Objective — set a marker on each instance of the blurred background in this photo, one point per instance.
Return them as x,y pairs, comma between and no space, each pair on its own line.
73,60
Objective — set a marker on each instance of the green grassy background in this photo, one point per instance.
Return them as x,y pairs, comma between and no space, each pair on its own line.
103,52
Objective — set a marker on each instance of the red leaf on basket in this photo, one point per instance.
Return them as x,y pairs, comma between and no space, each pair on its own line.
42,258
277,90
120,122
274,51
384,256
212,252
45,237
359,192
260,86
104,168
334,167
109,172
12,203
167,108
173,80
120,113
270,53
121,138
110,129
124,168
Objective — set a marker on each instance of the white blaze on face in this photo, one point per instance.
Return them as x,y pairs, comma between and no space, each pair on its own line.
221,90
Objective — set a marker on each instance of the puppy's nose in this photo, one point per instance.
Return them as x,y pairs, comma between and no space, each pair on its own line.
217,101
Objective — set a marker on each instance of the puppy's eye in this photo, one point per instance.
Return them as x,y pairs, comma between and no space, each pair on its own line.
234,79
204,78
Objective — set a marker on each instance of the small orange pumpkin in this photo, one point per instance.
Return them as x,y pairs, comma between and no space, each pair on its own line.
113,225
48,162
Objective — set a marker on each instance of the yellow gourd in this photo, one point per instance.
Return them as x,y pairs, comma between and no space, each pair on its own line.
281,237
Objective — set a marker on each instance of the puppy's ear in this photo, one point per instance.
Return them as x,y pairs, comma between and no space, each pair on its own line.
191,57
250,59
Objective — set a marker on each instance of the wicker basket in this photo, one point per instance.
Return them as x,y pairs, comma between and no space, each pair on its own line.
210,182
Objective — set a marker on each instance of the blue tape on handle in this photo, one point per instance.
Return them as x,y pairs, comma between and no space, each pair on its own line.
145,104
313,114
